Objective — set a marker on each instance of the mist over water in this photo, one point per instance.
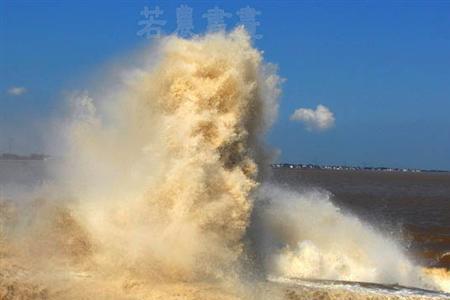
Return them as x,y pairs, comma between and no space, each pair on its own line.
164,192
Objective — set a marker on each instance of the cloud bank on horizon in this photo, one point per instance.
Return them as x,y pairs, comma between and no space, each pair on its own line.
320,119
17,90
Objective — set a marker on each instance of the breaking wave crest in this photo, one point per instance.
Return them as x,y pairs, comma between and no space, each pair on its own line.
307,236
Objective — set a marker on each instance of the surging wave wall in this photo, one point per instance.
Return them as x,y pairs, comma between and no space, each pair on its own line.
166,168
161,193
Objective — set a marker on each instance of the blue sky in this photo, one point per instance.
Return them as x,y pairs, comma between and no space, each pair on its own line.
382,68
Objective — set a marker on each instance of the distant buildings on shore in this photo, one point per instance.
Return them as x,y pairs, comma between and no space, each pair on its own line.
36,156
33,156
349,168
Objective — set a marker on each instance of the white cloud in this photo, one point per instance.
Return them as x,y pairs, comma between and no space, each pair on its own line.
17,90
320,119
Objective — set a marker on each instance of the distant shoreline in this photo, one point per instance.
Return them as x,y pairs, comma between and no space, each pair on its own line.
43,157
16,157
353,168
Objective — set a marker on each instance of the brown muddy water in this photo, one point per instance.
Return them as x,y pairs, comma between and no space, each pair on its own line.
414,208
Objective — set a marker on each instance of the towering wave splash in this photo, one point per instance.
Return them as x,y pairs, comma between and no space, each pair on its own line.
166,168
160,195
